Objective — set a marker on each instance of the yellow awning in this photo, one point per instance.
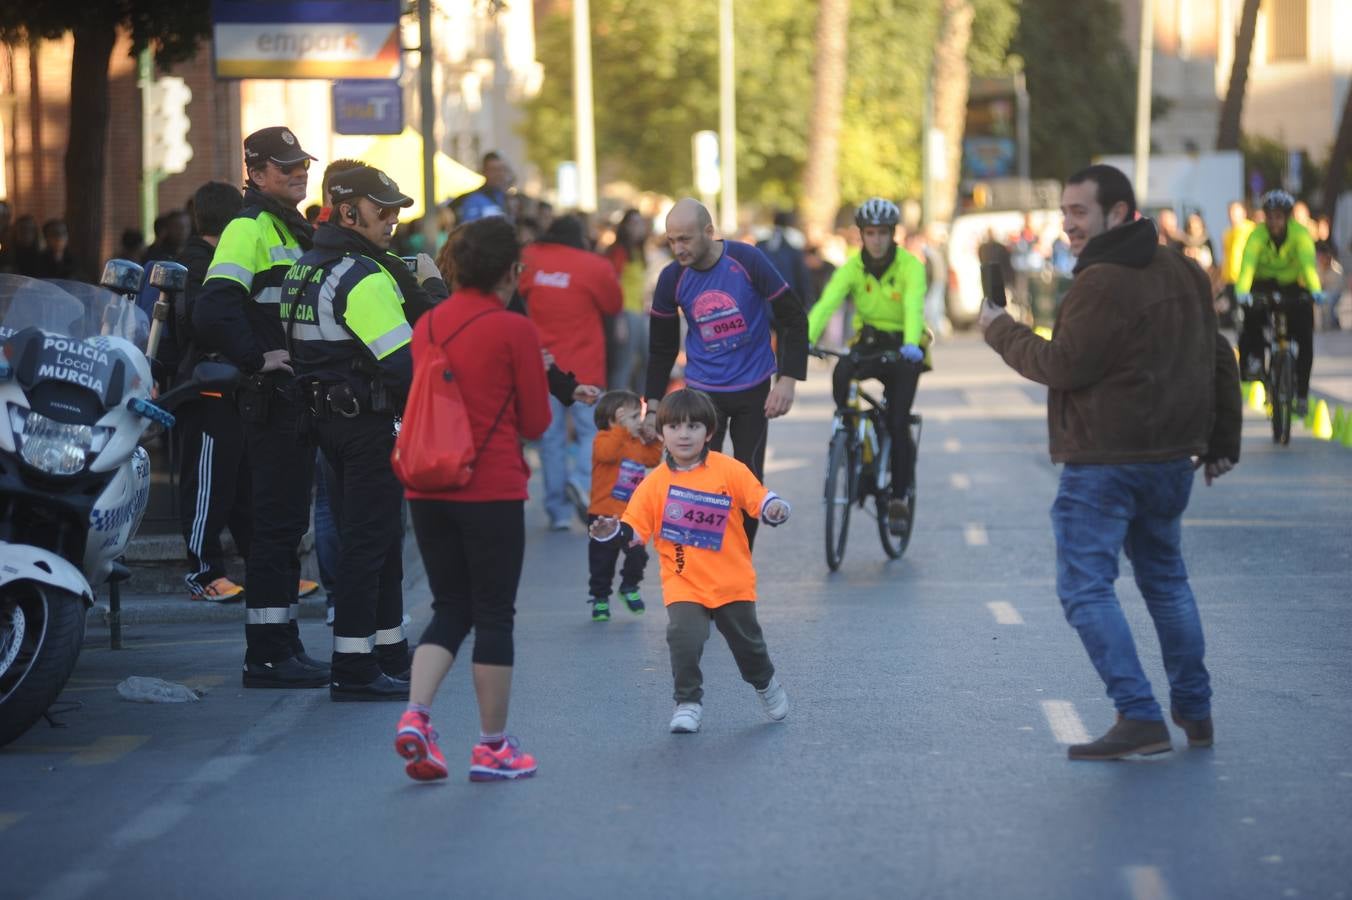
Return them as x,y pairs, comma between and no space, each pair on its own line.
400,157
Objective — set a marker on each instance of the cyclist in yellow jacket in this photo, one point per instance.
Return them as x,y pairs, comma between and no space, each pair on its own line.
888,288
1279,254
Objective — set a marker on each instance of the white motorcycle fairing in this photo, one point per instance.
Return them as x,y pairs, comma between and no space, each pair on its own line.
20,562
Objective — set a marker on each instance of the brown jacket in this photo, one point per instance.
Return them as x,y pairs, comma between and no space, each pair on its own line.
1136,370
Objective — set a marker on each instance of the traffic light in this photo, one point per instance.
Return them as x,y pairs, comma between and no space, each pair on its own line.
166,110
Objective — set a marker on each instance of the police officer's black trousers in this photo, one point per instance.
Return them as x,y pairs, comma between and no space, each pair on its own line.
281,464
367,501
213,486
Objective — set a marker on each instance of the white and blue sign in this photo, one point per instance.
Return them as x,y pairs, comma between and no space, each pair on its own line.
368,107
306,38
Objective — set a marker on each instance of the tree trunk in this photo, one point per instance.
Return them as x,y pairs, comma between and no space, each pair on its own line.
1342,150
950,84
1227,136
86,154
821,187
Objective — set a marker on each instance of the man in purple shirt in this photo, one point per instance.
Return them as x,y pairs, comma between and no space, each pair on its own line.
731,296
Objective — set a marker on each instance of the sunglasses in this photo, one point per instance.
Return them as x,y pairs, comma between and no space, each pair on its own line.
303,165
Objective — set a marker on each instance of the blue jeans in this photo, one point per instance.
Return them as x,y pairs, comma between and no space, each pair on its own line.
1099,511
557,457
327,545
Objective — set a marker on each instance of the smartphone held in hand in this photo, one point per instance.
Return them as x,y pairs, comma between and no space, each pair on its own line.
993,283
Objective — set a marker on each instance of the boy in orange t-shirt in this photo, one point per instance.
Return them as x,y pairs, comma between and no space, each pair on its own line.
691,508
622,453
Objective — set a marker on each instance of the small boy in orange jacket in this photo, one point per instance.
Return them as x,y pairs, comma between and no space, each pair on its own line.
622,454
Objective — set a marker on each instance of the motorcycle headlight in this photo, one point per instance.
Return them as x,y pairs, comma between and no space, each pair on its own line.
57,448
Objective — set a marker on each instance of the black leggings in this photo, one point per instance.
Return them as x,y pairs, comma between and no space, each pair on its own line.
472,553
900,379
742,415
1299,328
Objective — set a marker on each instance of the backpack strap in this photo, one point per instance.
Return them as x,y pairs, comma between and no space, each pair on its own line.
510,393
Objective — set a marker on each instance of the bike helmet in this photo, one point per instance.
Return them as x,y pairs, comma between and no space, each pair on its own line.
1278,199
877,211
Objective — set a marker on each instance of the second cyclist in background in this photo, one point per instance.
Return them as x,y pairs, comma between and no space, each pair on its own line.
888,288
1278,254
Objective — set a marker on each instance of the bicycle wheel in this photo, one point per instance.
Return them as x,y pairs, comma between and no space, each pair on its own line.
840,481
1283,395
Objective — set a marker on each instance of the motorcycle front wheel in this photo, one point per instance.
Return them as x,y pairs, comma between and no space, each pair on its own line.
41,630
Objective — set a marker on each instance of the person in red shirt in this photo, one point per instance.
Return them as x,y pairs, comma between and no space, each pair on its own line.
472,538
622,453
692,508
568,290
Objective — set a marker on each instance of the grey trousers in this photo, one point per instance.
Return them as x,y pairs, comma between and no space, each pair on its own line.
688,629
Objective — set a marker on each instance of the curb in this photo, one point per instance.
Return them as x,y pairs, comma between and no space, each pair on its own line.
177,609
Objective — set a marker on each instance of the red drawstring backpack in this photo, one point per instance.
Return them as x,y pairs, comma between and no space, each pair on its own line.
435,448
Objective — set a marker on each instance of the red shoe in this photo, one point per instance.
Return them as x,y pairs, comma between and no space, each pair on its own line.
306,587
416,742
487,764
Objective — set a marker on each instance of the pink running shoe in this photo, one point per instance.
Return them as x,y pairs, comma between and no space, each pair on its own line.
487,764
416,742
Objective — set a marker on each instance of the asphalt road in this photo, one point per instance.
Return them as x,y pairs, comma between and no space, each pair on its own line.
924,755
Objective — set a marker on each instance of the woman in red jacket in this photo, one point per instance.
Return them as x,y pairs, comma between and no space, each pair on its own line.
472,539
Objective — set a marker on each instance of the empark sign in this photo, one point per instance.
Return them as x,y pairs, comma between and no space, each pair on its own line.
306,39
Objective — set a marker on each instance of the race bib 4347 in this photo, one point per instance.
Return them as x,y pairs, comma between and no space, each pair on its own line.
695,518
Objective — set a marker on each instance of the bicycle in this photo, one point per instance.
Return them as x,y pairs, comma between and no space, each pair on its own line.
1279,374
858,468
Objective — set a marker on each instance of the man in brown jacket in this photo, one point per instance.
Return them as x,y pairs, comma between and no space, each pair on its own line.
1142,390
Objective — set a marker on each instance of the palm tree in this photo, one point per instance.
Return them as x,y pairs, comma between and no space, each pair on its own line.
951,81
1227,136
821,187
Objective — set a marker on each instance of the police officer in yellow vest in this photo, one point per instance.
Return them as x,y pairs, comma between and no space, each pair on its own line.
349,341
236,314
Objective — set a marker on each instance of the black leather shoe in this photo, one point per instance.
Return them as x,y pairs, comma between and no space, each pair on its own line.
289,673
310,662
383,687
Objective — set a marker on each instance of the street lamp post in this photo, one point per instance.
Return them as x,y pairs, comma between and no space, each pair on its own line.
585,137
727,120
1143,88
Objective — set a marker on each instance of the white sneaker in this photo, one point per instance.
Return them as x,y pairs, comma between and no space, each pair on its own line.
774,699
686,718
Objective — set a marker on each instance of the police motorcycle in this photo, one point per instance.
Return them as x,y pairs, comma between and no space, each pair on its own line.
75,401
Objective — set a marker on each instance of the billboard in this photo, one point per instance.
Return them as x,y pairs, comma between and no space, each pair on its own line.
329,39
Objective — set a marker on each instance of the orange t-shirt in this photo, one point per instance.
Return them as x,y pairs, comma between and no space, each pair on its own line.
620,461
694,519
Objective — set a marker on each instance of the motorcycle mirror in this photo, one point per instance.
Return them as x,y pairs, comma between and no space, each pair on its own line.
217,374
122,276
168,276
206,376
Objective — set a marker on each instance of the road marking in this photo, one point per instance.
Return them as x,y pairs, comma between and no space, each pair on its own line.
1272,860
178,800
104,750
959,481
952,445
8,819
975,534
1146,883
1064,722
1005,613
788,463
109,749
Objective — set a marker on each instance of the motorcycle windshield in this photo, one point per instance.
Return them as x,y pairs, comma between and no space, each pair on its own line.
52,335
